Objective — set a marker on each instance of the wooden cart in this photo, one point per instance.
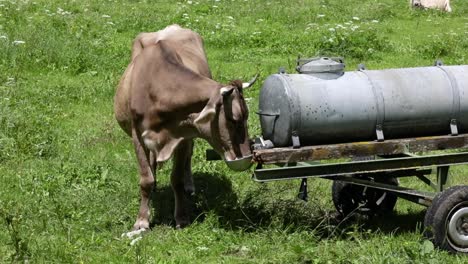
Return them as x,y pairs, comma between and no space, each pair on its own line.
369,180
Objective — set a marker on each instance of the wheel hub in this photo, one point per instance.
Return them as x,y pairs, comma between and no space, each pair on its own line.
458,227
465,227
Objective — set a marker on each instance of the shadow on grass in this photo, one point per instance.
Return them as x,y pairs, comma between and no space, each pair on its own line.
259,208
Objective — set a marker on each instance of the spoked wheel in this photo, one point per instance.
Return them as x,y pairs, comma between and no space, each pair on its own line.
446,220
350,198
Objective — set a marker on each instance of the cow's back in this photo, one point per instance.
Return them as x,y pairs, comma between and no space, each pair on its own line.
187,44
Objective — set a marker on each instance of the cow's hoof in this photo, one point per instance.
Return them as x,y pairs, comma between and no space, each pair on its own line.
141,223
134,233
189,191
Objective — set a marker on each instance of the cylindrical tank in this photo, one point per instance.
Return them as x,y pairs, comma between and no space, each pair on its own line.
324,105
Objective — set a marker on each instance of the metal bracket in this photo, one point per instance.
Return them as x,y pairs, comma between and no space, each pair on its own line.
282,70
442,176
260,143
303,194
361,67
379,133
295,140
438,63
453,127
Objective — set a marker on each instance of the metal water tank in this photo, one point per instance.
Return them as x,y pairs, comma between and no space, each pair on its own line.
323,104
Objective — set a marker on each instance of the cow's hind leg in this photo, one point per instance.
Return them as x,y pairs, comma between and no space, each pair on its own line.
147,181
182,182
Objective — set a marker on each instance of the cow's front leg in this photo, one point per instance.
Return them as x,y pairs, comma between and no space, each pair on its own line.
147,182
189,186
182,182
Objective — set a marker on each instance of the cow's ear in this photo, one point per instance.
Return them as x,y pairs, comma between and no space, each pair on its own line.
226,91
206,115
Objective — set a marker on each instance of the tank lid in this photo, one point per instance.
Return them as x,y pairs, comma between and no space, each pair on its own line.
320,65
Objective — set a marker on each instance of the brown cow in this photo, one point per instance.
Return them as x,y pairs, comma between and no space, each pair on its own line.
165,99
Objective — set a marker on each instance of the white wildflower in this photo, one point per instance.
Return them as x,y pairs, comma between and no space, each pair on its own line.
106,16
320,15
110,23
3,37
230,17
375,21
259,20
202,248
189,2
215,6
356,18
18,42
244,249
331,29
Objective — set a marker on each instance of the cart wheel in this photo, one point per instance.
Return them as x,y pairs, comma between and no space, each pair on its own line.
446,220
349,198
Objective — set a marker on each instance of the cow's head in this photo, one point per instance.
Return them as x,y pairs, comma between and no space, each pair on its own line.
223,123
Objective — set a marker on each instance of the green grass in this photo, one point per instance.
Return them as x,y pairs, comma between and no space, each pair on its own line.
69,183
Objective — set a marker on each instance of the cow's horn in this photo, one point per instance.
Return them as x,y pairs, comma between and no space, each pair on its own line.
250,83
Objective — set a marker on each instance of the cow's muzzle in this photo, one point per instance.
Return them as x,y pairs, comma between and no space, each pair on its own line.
240,164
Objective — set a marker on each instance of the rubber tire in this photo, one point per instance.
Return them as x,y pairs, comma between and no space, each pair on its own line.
437,215
347,197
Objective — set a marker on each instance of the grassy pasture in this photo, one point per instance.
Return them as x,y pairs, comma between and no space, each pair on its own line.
68,175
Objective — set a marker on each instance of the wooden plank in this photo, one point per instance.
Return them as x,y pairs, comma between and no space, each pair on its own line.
359,149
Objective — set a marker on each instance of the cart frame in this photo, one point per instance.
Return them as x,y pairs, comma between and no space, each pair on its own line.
398,159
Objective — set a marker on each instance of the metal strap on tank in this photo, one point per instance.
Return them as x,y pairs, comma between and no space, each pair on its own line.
455,101
379,104
295,104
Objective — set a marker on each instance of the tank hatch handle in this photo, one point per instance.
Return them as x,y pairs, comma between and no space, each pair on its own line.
320,65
